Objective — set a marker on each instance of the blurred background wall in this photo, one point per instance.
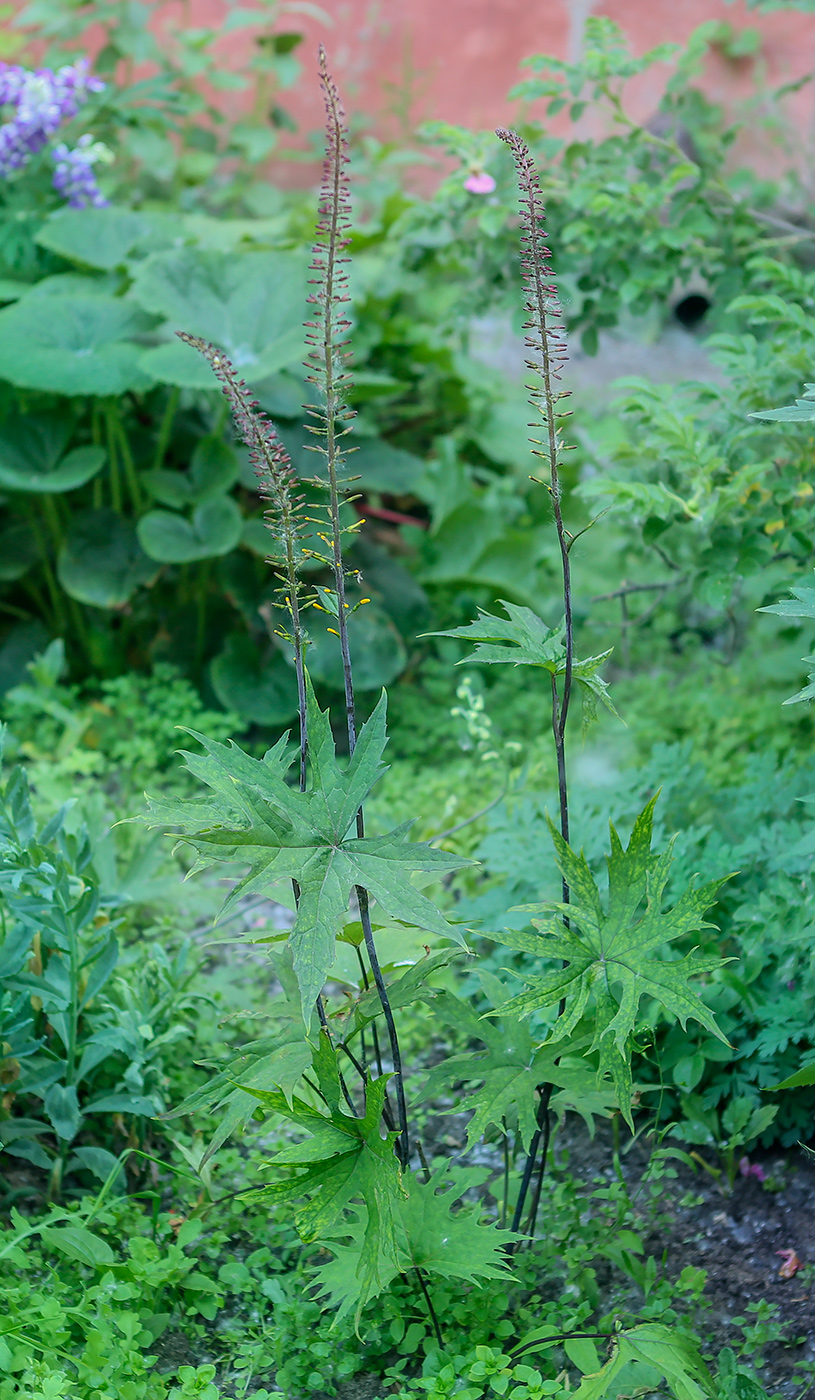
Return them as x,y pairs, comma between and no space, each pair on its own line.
406,61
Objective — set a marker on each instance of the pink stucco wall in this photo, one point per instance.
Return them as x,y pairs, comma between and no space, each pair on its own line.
410,60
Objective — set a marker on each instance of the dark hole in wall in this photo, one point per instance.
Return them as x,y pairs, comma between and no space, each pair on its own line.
692,309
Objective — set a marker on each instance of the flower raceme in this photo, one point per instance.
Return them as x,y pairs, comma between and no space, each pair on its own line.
42,100
74,177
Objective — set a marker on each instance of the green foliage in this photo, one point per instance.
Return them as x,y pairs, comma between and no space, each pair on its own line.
131,529
428,1237
255,817
612,956
738,1126
532,643
800,605
345,1158
510,1068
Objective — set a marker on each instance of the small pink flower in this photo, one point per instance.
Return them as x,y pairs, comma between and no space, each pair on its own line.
758,1172
479,183
744,1166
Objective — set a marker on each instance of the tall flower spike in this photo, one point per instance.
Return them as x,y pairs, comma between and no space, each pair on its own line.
546,340
277,484
327,366
327,339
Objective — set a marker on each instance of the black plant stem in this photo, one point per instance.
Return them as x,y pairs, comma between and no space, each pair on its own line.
547,1125
396,1056
330,355
299,666
429,1301
542,310
529,1166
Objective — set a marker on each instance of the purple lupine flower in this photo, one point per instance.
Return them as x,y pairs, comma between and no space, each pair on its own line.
74,177
43,99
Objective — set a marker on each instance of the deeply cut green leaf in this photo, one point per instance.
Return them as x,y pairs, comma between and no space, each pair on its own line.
523,639
510,1069
255,818
346,1160
429,1235
612,954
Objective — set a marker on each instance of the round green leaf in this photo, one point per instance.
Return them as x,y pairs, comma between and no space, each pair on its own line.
260,686
31,448
74,470
96,237
251,304
18,550
102,562
215,528
72,344
213,469
20,646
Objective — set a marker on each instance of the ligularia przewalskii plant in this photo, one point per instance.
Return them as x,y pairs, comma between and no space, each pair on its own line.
359,1179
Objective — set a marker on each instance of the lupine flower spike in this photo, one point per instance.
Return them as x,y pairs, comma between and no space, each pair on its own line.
43,100
277,484
74,177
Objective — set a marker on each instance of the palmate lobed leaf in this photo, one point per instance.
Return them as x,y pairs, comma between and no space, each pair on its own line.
429,1236
254,817
523,639
801,605
510,1069
661,1349
345,1160
610,954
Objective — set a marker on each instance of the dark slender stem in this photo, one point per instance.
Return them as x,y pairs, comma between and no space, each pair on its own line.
387,1012
543,327
547,1125
561,1337
328,358
324,1023
423,1159
505,1204
431,1310
166,427
529,1166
